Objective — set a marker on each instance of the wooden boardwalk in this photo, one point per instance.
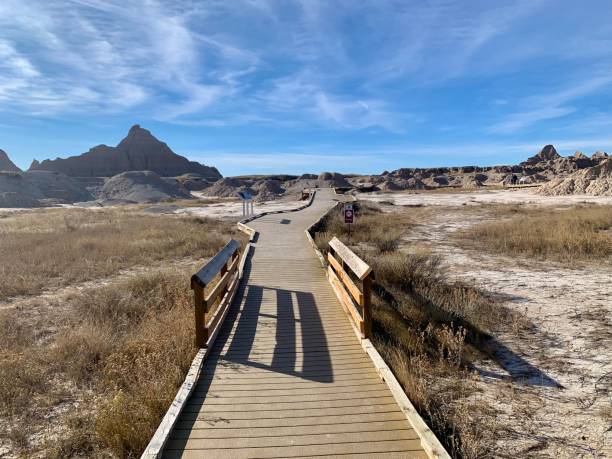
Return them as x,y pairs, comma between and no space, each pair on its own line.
287,377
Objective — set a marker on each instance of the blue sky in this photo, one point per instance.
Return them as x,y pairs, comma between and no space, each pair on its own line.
263,86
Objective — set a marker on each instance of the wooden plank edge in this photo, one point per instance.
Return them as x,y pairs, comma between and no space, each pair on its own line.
429,441
308,232
315,248
161,435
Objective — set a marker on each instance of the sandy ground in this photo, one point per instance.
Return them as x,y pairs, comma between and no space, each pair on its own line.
507,196
552,382
233,209
230,208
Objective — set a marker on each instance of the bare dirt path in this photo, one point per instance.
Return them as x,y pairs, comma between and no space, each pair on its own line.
552,394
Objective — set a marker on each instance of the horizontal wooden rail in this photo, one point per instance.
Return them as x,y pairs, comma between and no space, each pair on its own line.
216,282
345,271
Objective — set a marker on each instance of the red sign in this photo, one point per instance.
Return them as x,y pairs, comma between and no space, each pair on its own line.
349,214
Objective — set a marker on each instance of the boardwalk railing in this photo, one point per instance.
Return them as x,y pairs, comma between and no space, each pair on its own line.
345,271
213,288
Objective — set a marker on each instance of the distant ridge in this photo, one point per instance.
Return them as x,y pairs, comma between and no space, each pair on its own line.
6,164
139,151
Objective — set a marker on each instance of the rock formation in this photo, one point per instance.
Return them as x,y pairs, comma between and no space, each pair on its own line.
194,182
141,187
139,151
6,164
596,180
332,179
37,188
548,153
599,156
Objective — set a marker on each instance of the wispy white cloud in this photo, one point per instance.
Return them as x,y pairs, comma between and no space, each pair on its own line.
338,65
550,106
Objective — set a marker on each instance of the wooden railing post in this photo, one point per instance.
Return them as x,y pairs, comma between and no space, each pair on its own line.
367,305
201,333
221,277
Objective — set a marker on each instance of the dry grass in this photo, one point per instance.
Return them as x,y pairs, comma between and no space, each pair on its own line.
427,328
56,247
371,227
91,373
107,377
575,233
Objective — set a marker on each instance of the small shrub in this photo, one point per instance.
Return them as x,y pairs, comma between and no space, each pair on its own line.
81,351
386,241
21,379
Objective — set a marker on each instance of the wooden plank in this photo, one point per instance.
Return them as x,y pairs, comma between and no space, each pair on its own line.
296,440
230,297
223,393
346,280
286,406
248,399
217,289
208,272
357,265
299,414
260,375
254,431
248,385
372,448
345,299
328,420
221,311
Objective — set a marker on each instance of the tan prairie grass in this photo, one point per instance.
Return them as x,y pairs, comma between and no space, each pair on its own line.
427,327
371,226
576,233
111,372
51,248
429,330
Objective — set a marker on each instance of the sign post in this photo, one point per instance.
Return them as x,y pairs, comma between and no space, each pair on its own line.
349,215
247,203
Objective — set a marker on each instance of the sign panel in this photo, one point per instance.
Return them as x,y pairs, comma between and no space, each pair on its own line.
349,213
245,195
